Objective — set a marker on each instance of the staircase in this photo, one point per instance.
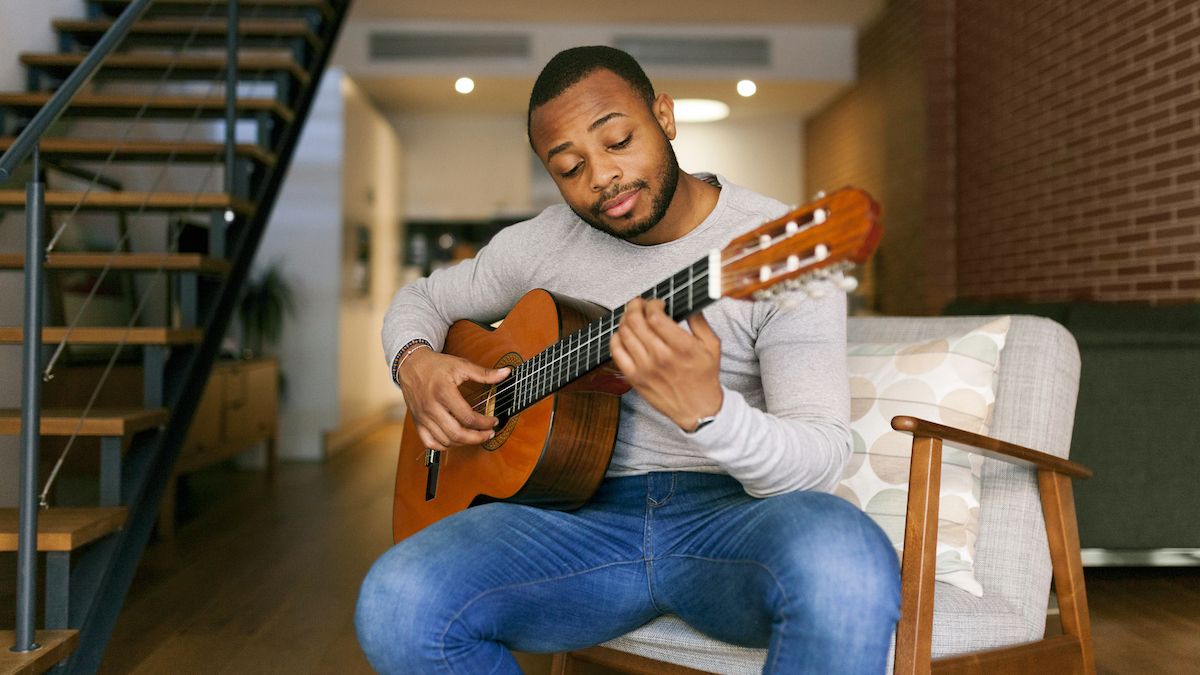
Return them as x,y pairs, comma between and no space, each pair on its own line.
159,58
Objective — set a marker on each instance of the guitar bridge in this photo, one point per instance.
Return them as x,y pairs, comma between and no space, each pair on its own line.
433,460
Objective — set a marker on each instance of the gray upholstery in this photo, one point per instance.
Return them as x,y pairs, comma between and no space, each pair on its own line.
1035,407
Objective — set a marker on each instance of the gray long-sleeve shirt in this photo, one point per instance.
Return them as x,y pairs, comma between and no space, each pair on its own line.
783,424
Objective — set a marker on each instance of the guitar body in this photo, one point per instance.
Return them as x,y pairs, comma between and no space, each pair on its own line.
553,454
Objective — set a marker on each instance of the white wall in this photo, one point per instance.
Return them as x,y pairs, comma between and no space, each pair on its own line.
330,351
304,236
477,166
464,166
371,196
25,27
765,155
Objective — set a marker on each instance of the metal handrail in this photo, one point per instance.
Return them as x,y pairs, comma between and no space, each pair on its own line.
58,103
28,144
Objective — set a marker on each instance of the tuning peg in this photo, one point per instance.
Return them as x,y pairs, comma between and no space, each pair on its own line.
848,284
820,195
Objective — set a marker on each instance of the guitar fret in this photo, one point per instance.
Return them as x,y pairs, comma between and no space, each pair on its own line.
671,298
691,287
541,377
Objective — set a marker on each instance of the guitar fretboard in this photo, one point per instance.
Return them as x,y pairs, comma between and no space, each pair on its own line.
684,293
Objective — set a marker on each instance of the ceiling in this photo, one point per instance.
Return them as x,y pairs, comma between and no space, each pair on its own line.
427,94
855,12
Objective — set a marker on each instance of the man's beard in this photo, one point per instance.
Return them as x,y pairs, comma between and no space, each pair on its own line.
660,202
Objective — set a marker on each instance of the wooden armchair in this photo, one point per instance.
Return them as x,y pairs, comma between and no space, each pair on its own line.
1027,530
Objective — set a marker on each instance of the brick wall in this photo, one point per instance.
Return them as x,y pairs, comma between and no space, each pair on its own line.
1025,149
873,137
1078,147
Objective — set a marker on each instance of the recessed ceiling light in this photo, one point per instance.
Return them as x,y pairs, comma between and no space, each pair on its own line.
700,110
464,85
747,87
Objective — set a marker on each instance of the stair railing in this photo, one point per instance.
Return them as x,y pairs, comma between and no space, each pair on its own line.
31,377
27,146
190,381
107,569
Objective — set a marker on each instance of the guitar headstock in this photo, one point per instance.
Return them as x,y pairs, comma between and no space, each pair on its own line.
816,241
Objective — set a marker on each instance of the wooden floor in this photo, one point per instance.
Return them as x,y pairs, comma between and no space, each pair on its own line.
263,580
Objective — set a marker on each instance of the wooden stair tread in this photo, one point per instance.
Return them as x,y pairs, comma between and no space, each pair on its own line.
100,149
206,27
218,7
64,529
99,422
88,335
132,201
173,262
160,106
153,63
56,645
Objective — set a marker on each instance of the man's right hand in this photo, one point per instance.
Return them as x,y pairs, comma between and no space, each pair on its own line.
443,418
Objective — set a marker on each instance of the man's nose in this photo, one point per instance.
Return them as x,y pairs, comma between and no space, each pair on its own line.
605,172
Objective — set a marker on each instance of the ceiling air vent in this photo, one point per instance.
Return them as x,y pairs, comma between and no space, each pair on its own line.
393,45
697,51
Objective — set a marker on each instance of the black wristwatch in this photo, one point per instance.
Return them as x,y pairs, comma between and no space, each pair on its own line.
701,423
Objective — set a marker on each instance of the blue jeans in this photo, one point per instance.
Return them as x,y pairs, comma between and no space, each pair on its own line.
806,574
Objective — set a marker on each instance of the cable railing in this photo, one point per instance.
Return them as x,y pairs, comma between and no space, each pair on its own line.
232,188
27,146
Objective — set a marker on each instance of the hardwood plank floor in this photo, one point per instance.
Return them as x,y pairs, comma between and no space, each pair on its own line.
264,579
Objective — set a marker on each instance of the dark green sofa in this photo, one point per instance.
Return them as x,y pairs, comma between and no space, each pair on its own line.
1137,422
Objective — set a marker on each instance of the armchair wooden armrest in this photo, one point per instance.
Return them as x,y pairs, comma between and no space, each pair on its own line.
991,447
1071,652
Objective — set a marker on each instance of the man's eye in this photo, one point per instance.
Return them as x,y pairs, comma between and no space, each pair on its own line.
574,170
623,144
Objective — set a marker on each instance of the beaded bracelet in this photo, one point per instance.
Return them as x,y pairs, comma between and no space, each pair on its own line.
405,351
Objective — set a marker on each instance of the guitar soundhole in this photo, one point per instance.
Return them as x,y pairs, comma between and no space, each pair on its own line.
507,424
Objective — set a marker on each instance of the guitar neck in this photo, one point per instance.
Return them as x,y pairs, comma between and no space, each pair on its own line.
815,241
684,293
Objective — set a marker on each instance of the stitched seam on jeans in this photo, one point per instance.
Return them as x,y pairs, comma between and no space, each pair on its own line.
647,550
773,658
467,604
670,492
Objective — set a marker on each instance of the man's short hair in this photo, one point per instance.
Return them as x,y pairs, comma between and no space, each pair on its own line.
572,65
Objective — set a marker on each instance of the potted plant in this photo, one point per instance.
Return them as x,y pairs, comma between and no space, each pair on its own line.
267,299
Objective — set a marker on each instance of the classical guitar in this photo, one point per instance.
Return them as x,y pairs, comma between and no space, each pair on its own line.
558,408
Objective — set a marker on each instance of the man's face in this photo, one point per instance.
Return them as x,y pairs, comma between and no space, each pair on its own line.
609,153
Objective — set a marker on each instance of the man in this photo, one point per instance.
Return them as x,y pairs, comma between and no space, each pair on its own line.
715,507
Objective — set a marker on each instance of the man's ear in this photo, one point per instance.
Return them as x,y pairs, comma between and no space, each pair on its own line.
664,111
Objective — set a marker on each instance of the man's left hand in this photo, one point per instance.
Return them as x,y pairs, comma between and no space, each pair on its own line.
675,371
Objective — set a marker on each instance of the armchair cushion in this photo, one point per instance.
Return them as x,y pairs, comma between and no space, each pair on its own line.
950,380
669,639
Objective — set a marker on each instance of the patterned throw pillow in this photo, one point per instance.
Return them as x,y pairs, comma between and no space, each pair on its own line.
950,380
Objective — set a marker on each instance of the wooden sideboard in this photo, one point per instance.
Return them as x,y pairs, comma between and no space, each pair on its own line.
238,410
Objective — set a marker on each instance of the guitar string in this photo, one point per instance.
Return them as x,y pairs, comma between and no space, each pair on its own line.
548,369
584,347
